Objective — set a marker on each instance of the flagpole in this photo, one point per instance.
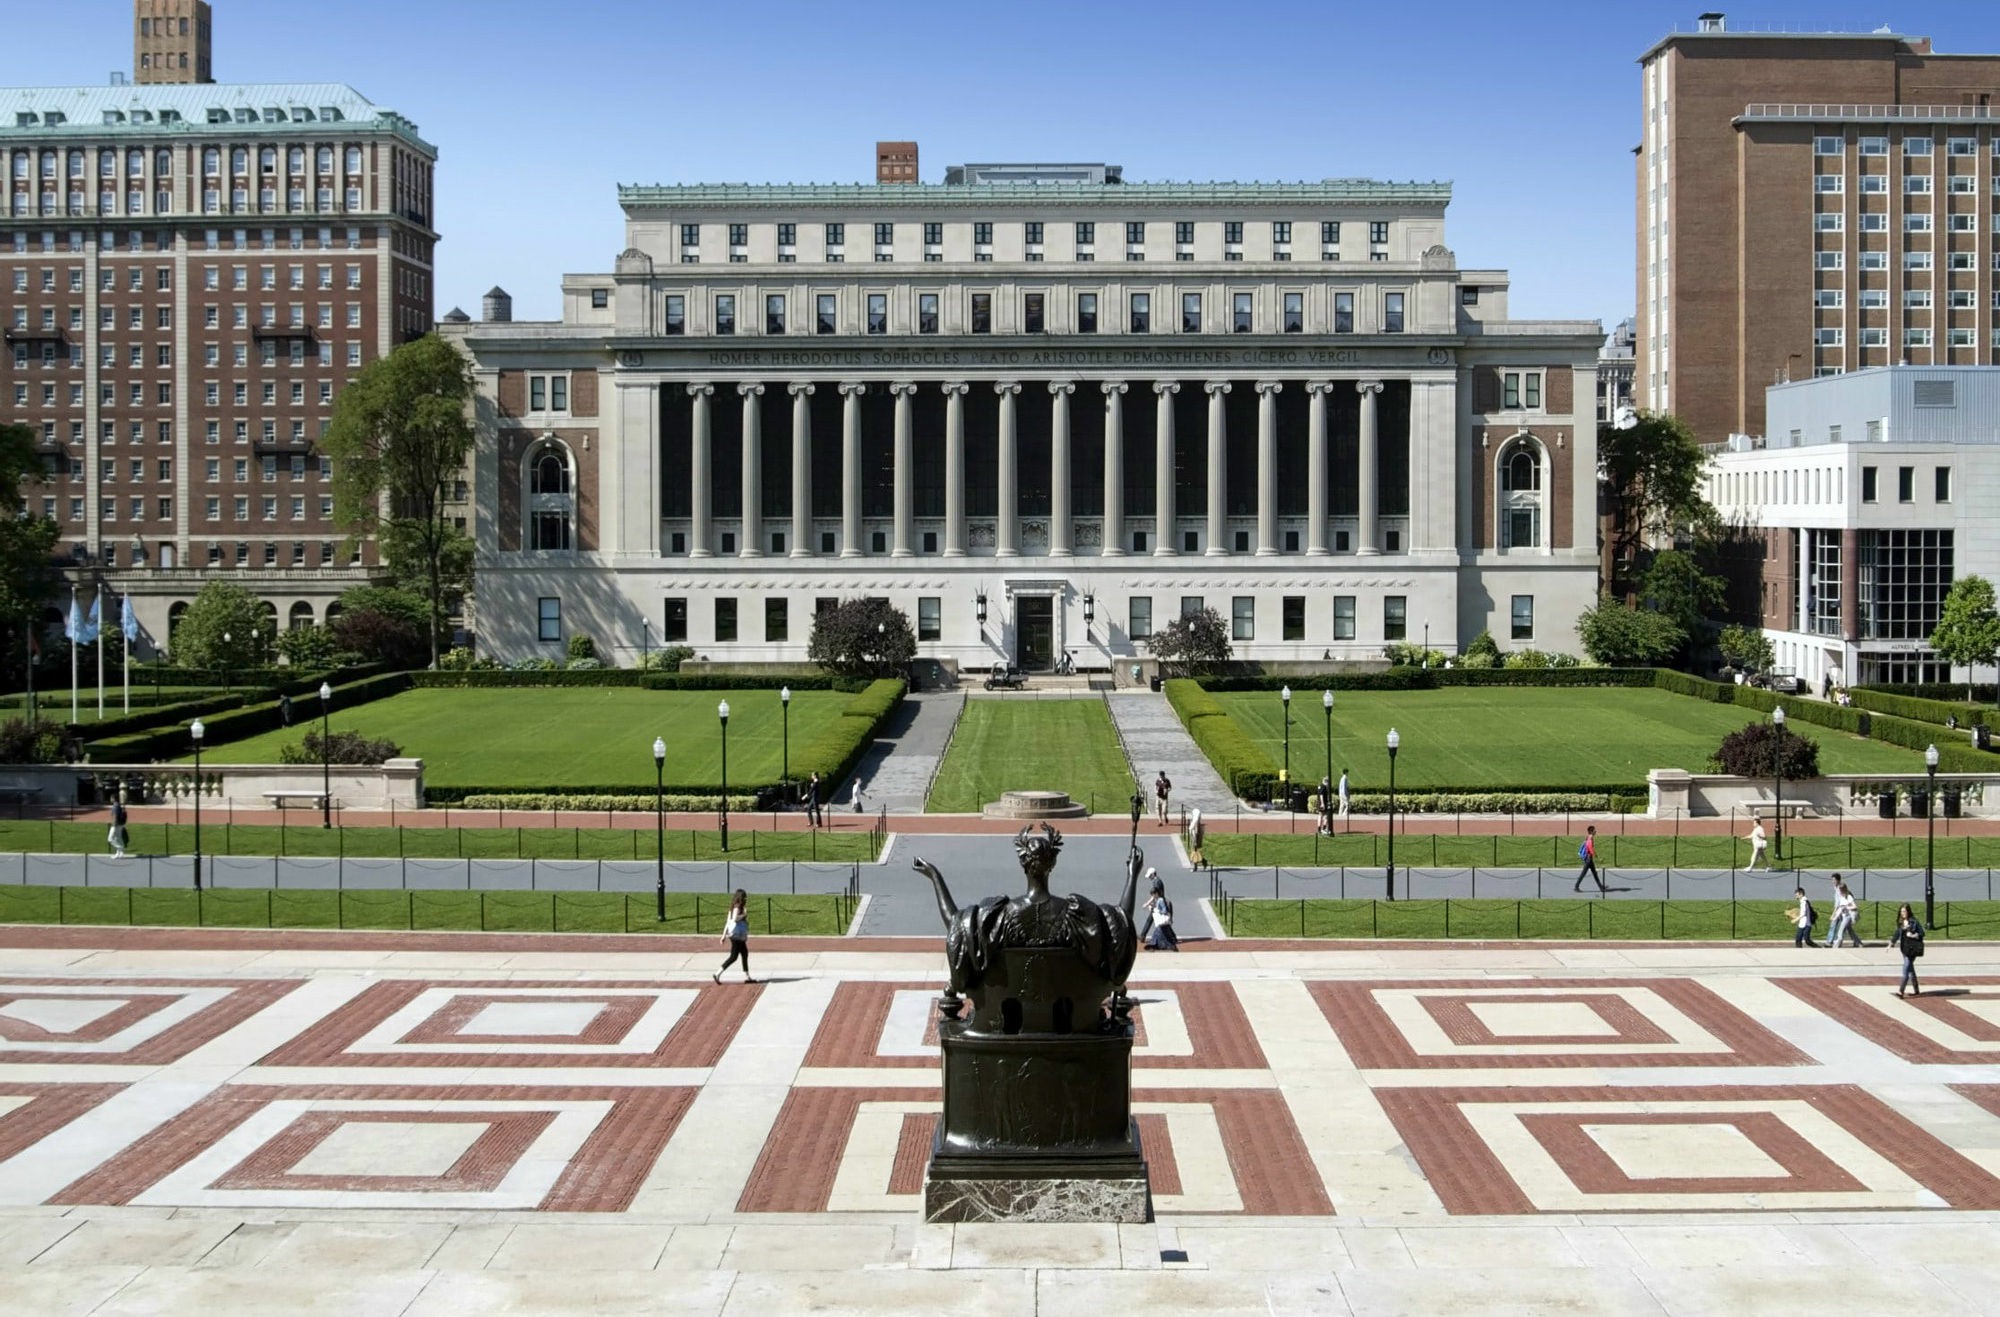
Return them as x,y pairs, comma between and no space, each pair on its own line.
97,607
32,710
75,616
125,650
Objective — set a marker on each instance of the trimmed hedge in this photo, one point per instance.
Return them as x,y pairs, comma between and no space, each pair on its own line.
1404,677
724,681
173,742
1947,691
1922,710
446,679
1250,773
617,801
161,715
1681,683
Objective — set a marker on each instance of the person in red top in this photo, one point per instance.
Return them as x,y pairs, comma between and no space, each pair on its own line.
1587,852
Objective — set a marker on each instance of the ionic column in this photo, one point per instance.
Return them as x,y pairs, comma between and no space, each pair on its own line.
1218,469
1316,391
1267,467
954,469
1114,469
802,471
1164,537
1059,508
698,472
1009,538
850,469
1369,539
750,535
902,543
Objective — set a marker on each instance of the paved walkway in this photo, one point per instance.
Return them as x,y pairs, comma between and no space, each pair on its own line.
1155,740
896,771
211,1122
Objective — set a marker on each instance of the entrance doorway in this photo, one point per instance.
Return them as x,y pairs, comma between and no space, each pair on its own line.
1036,635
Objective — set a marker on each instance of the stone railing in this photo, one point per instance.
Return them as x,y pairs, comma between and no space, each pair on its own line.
1676,793
397,784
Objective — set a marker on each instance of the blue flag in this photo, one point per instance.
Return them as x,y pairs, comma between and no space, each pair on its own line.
128,621
96,622
73,628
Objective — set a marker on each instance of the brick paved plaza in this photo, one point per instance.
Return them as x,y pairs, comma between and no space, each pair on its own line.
217,1121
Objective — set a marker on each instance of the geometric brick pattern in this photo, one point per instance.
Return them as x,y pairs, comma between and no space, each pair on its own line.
31,1112
140,1022
1478,1024
1507,1151
1955,1022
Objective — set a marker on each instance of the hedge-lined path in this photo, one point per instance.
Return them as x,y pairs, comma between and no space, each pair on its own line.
1155,740
895,772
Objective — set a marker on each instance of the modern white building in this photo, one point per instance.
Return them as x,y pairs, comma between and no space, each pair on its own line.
1041,409
1872,493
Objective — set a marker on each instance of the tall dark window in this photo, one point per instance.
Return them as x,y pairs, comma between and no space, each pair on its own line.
878,313
933,235
1086,314
927,313
1190,313
725,619
885,235
774,313
548,619
1343,313
677,314
1392,313
739,235
1086,234
777,620
1141,311
1240,319
982,313
725,313
1395,616
1521,617
930,617
1295,617
1135,232
982,234
836,235
788,235
826,316
1295,313
1032,306
675,625
1033,233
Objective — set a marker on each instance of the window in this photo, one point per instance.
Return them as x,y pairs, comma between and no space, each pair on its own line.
1916,146
1343,313
1343,617
1243,617
1139,617
1827,260
1941,487
1395,616
788,235
676,316
1827,298
1916,222
982,313
1190,313
1874,182
1032,309
725,313
930,625
1141,313
1240,319
774,313
1906,484
1329,240
1086,313
675,625
1522,625
777,621
1294,617
1086,234
1392,313
878,313
1827,183
1827,222
927,313
1826,146
933,235
1874,146
1868,484
1295,313
1135,240
725,620
826,319
836,237
550,619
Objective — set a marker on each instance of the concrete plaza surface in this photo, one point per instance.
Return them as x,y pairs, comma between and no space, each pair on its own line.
220,1121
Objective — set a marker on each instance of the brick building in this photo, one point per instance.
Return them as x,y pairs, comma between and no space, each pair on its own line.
172,41
190,273
1809,203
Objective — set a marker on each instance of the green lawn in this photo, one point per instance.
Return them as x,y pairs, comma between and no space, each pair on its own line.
1705,852
1032,745
1700,921
219,837
551,738
496,912
1501,737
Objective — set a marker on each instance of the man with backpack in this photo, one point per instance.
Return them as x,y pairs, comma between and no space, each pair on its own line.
1803,917
1587,852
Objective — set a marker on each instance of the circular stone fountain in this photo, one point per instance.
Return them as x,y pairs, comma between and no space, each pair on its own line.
1035,805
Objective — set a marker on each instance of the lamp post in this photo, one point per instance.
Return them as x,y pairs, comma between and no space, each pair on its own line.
1326,702
228,686
1778,783
1427,644
722,713
660,828
1285,694
1395,741
645,641
325,757
195,731
1930,838
785,771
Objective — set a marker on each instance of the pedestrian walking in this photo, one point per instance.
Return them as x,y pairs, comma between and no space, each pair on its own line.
1587,852
285,710
1756,840
1802,917
1846,910
812,802
1162,789
1341,791
117,834
736,932
1159,916
1194,838
1908,939
1325,807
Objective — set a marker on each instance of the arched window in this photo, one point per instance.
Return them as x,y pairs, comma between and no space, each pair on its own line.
1518,516
301,616
548,471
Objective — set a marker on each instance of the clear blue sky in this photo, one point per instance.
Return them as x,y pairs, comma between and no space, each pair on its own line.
1529,107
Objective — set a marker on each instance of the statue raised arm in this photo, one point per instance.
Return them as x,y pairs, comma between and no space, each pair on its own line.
946,907
1134,862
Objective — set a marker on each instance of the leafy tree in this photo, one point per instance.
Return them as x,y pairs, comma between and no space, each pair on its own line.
1483,645
1675,585
1192,645
383,625
582,646
399,436
1652,476
1749,751
310,647
220,628
1746,647
27,573
1968,629
339,748
1619,636
862,638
